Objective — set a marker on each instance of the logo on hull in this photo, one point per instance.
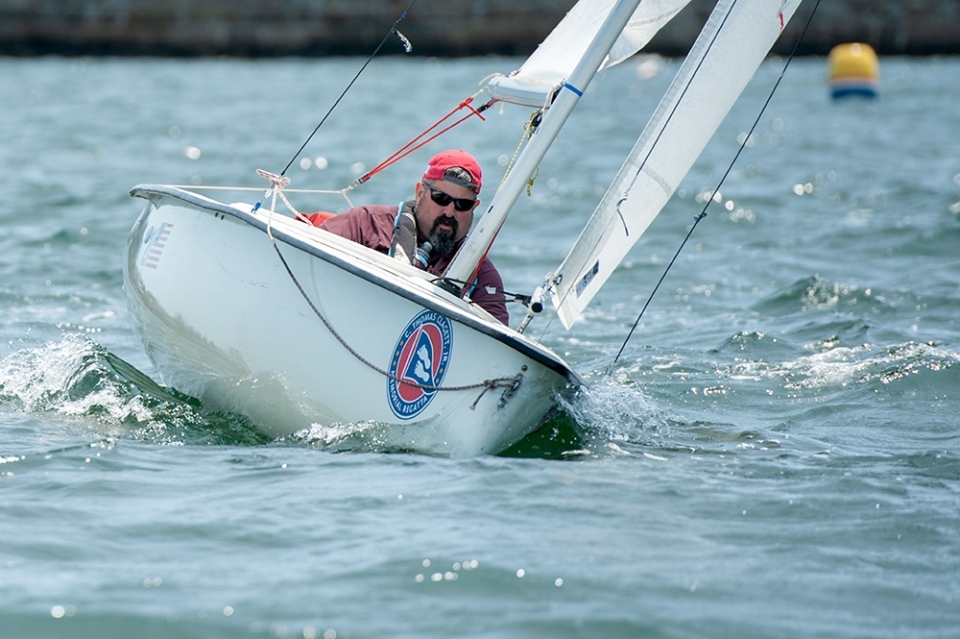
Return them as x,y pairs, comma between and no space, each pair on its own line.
420,358
155,239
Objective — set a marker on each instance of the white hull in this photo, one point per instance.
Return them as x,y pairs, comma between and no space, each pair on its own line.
223,320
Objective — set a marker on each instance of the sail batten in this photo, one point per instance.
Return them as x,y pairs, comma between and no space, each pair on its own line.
734,41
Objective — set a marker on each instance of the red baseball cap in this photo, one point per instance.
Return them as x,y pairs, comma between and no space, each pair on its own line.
454,158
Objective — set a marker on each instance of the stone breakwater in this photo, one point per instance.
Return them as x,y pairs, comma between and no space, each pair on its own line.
444,28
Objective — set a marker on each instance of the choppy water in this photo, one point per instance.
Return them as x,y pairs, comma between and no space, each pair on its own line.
776,454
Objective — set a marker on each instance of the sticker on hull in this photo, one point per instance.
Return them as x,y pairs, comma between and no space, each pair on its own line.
419,364
154,241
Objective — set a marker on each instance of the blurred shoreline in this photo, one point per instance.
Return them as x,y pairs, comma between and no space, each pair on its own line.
273,28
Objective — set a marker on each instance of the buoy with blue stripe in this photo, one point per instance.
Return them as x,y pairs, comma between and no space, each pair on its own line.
854,71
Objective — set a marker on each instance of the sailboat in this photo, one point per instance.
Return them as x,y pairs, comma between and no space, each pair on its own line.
255,312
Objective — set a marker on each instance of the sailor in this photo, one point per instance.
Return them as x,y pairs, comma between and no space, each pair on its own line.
427,230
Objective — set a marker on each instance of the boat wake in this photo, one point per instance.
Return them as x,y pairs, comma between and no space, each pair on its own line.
667,403
77,384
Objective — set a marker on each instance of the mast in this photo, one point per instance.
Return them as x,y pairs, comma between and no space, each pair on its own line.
465,263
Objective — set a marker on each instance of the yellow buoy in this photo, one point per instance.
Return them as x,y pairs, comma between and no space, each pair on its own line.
854,71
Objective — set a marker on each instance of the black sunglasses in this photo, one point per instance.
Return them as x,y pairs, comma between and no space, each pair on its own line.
443,199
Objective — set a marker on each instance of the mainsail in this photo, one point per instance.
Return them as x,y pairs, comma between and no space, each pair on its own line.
555,58
733,43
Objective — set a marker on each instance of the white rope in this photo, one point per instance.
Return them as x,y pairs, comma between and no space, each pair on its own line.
278,183
205,187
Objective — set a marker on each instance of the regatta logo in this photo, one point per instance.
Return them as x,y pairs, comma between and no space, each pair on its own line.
420,356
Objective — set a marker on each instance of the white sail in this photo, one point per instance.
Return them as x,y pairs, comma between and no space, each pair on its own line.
733,43
615,19
464,265
559,53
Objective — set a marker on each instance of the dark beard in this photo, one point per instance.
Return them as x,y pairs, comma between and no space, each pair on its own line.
443,240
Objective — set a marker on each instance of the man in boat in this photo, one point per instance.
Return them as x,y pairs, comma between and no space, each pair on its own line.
428,230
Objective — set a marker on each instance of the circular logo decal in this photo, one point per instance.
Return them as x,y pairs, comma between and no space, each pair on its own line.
420,356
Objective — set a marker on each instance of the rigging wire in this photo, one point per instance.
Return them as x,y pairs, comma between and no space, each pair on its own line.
407,47
703,212
425,137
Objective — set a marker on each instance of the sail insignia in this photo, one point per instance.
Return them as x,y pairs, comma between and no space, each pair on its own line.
588,277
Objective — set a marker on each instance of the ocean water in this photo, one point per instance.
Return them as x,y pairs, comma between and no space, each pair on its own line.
776,453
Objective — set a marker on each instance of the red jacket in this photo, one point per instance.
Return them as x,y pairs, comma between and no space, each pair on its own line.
373,227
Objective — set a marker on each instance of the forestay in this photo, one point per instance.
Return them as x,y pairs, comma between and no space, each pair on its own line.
733,43
557,56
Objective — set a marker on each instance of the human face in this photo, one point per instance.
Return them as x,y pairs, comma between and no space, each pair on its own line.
445,224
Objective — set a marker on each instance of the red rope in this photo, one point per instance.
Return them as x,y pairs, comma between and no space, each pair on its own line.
418,141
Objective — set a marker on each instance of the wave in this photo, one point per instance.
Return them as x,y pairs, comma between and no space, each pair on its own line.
814,292
80,382
743,393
